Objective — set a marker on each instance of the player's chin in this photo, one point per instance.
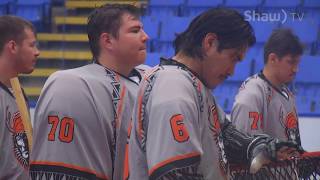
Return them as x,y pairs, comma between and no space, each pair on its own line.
290,79
141,58
28,70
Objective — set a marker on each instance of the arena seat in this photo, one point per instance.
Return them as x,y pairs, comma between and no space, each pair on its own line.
164,8
309,70
241,3
195,7
281,4
311,3
152,59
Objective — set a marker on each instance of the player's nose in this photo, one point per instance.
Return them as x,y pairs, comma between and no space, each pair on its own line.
145,36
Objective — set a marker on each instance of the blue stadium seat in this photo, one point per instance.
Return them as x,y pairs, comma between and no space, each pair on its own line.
4,6
242,71
204,3
308,98
165,49
225,95
309,70
303,105
169,29
311,3
263,29
195,7
152,59
36,11
241,3
164,8
258,62
306,29
168,32
253,52
282,4
151,26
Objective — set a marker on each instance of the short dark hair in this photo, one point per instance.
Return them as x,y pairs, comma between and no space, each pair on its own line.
232,31
282,42
13,28
107,18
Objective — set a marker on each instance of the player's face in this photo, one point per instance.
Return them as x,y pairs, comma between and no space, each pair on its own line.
287,67
218,66
130,46
27,53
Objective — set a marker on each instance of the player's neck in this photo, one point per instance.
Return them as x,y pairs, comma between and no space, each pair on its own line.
114,64
6,72
191,63
271,77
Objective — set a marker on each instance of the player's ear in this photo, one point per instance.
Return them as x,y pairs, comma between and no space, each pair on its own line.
106,40
11,46
210,41
272,58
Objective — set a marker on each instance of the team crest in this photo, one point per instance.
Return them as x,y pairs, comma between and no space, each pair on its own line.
291,126
19,137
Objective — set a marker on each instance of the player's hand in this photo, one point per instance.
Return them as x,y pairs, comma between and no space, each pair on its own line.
273,149
287,153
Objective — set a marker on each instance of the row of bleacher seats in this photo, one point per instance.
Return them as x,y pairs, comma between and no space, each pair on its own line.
162,31
194,7
36,11
308,68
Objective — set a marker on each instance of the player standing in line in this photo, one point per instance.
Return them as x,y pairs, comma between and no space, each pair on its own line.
82,117
178,130
18,53
264,104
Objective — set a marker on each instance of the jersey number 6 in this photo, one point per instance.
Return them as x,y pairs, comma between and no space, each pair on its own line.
179,131
65,130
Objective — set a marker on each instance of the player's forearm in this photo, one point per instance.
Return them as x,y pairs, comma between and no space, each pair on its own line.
236,144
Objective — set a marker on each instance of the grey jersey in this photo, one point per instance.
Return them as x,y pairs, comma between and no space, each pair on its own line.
81,122
175,128
14,151
261,108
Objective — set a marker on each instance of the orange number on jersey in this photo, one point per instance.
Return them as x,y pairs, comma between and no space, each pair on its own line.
54,120
256,117
65,131
179,131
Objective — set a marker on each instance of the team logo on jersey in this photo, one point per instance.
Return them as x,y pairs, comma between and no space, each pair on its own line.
19,137
291,123
217,135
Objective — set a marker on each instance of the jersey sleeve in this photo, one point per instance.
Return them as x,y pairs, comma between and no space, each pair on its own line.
247,111
72,137
173,144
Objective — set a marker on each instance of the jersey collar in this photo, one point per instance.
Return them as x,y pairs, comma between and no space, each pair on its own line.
282,91
172,62
133,73
5,88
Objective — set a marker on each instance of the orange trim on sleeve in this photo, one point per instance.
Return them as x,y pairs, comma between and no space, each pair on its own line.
102,176
179,157
139,114
119,110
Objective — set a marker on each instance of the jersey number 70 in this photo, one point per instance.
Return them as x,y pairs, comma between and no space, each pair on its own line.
66,128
